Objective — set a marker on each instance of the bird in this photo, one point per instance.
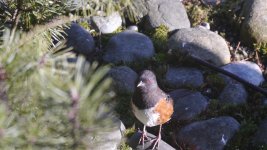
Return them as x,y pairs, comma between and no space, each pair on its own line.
150,105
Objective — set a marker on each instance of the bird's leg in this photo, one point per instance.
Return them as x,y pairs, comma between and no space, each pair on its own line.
157,139
143,137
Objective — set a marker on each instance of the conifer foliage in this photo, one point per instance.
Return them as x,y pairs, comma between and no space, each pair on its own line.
45,100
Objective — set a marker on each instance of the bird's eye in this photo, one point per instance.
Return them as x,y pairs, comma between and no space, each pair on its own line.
145,80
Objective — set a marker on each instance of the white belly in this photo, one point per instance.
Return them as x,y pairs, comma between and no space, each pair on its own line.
147,116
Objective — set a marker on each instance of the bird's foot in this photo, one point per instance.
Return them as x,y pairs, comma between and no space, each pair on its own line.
156,142
143,138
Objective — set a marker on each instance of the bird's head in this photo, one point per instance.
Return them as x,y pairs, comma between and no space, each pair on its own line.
147,81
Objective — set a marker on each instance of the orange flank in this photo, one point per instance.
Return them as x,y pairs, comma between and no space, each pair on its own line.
165,109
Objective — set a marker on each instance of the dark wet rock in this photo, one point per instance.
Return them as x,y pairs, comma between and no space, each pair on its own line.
124,79
81,40
212,134
128,47
183,77
170,13
133,142
187,104
233,93
213,2
201,43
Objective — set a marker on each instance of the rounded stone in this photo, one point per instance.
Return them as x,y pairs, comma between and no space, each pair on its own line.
212,134
170,13
128,47
254,29
81,40
246,70
201,43
124,79
107,24
187,104
108,139
183,77
233,93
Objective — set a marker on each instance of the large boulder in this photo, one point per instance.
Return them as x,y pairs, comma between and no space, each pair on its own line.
212,134
254,28
170,13
128,47
201,43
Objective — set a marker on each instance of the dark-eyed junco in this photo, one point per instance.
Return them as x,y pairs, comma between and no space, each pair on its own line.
151,105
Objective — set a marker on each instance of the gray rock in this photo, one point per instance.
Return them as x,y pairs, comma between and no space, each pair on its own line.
204,25
187,104
133,28
107,24
128,47
133,142
212,134
233,93
124,79
81,40
246,70
140,9
201,43
254,29
183,77
170,13
261,135
109,139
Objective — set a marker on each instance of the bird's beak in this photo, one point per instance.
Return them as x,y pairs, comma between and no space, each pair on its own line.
141,83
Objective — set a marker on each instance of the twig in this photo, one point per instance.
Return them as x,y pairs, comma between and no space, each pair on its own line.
73,116
213,67
15,19
258,58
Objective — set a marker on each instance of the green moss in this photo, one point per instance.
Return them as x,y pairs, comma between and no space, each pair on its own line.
129,132
197,13
226,19
215,81
160,57
159,38
85,25
242,139
125,146
262,48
